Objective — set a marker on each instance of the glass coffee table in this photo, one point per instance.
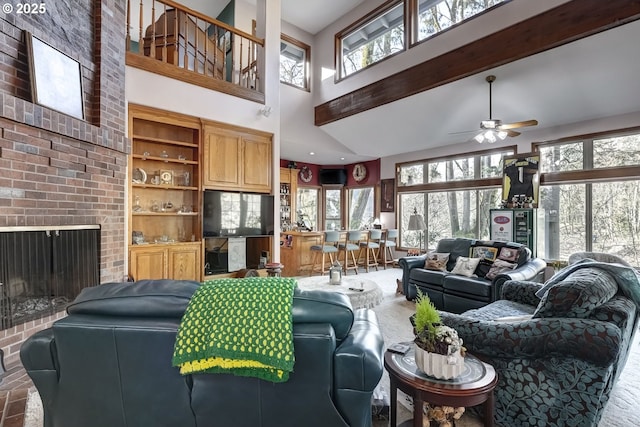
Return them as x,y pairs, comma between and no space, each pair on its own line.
473,387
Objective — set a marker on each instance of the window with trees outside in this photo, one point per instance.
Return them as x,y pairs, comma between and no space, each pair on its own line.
589,196
332,208
382,33
463,212
437,15
307,204
294,62
361,208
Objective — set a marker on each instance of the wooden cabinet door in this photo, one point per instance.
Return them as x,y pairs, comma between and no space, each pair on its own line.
184,262
147,262
256,163
222,158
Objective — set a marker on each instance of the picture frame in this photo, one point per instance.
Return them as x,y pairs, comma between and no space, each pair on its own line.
56,79
521,180
387,195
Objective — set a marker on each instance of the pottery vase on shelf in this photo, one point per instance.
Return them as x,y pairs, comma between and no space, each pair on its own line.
441,366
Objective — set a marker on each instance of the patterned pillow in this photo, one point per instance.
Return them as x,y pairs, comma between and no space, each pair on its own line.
498,267
509,254
578,294
465,266
436,261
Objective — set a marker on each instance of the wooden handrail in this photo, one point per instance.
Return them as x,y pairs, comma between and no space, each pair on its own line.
212,21
185,44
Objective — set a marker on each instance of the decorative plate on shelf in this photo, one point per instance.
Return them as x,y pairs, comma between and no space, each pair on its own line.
139,176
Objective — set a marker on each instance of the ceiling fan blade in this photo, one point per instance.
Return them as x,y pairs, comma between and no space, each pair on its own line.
463,131
506,126
511,132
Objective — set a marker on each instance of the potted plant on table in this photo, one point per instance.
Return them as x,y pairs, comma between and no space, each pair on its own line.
439,352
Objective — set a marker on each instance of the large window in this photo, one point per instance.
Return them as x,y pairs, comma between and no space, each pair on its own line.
307,205
383,32
447,211
438,15
371,39
294,62
589,197
332,208
361,208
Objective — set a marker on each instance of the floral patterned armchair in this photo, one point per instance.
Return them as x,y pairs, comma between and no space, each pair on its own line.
557,348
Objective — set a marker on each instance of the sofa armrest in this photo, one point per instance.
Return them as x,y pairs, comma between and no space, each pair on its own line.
38,355
407,264
358,368
593,341
359,358
521,291
532,270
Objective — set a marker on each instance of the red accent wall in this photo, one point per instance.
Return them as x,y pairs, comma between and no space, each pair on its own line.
373,173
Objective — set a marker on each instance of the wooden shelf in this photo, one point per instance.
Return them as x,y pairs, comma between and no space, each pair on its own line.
164,159
147,213
164,141
164,187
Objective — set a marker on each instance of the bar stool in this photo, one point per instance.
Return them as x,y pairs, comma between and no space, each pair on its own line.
371,248
389,244
349,247
328,245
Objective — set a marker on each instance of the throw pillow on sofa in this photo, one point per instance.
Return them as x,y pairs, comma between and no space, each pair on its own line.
436,261
509,254
498,267
465,266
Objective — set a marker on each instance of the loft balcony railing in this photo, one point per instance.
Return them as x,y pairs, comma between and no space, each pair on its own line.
167,38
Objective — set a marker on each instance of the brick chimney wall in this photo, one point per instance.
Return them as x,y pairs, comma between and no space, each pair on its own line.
56,169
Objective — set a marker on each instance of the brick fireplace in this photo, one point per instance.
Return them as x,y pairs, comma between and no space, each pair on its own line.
56,170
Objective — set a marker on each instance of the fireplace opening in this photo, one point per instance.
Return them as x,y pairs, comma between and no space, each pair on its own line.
43,269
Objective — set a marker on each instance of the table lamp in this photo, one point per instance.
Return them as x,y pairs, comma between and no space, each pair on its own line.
416,223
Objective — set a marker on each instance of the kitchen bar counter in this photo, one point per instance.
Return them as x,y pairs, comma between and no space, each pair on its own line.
295,251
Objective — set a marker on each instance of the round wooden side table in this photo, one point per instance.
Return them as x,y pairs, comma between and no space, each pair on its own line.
274,269
473,387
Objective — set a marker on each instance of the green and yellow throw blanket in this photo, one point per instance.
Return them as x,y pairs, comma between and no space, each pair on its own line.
238,326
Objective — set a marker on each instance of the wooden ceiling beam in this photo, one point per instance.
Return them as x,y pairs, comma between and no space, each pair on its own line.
564,24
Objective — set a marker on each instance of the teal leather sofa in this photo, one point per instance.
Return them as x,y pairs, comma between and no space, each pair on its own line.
558,348
108,364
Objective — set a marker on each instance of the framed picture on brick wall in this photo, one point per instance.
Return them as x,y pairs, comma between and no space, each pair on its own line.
56,79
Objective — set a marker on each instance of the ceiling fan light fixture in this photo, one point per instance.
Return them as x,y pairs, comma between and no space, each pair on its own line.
490,124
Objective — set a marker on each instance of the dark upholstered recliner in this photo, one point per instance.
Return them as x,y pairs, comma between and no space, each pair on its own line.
108,364
557,348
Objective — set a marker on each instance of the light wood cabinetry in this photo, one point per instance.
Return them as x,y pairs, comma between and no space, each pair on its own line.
165,196
288,190
179,261
236,159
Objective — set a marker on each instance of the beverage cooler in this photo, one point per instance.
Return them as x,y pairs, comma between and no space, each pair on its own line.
523,226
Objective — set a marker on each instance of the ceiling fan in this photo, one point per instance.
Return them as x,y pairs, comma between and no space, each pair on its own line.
493,129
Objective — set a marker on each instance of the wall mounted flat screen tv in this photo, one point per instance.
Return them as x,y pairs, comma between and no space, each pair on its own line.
228,214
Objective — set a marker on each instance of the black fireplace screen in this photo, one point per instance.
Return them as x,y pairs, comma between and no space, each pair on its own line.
41,271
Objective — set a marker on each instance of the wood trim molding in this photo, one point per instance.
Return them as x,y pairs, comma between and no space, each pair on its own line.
566,23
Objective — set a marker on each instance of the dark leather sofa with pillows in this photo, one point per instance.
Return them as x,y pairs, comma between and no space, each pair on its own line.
109,364
477,281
